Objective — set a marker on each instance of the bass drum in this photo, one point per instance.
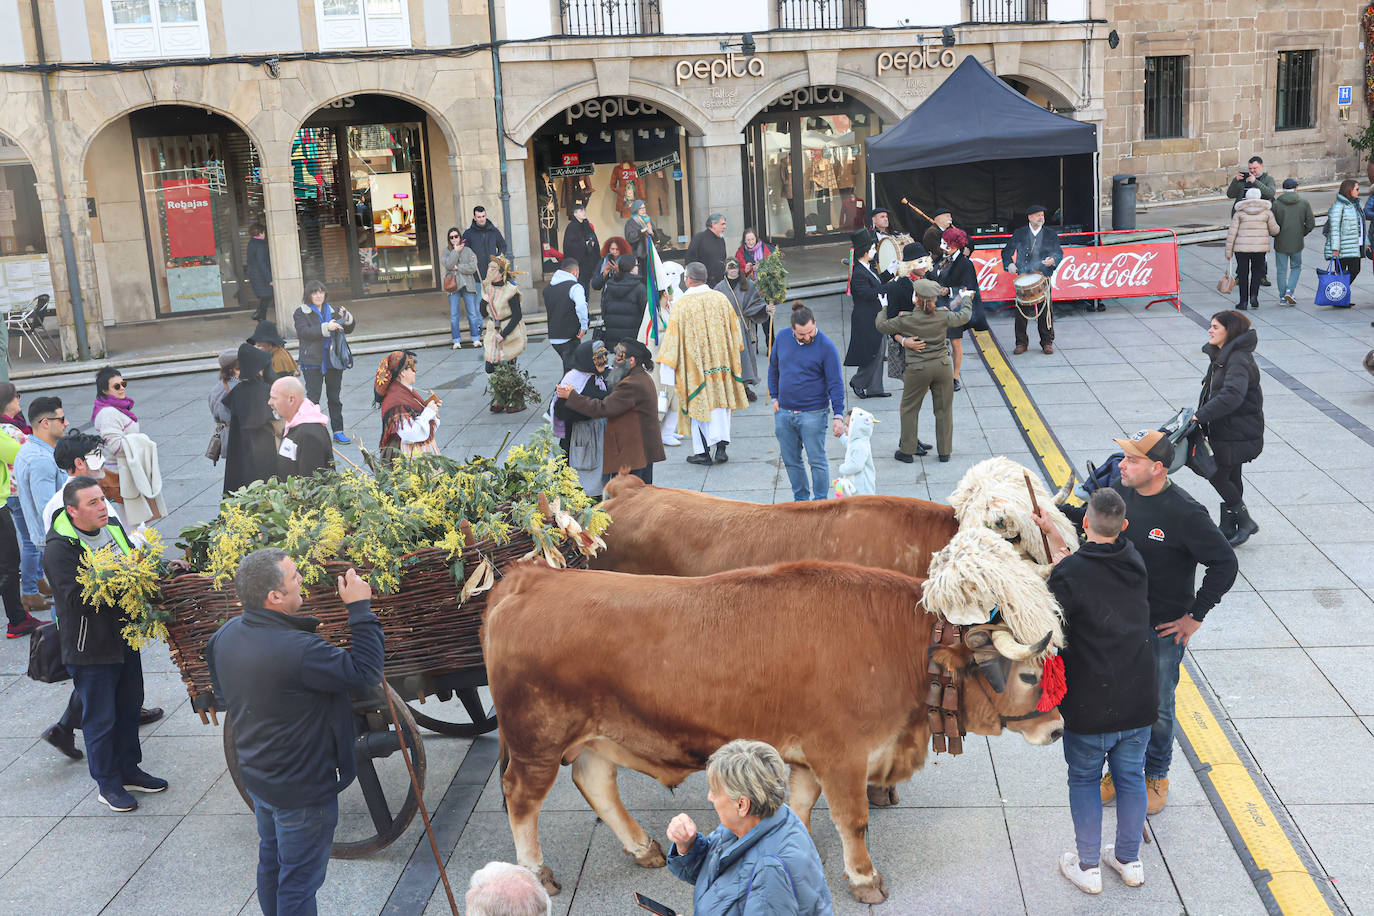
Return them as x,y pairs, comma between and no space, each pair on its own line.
890,249
1031,290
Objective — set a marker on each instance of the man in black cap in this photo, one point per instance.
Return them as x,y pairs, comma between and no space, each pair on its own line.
943,219
866,347
1036,250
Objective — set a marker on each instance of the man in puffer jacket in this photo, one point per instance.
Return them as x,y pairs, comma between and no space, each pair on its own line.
485,240
1248,239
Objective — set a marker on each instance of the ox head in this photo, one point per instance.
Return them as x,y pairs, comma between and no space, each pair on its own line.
1002,683
993,494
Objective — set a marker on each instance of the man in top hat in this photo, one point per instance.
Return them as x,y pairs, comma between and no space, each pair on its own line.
1036,250
699,357
1174,534
943,219
868,291
267,337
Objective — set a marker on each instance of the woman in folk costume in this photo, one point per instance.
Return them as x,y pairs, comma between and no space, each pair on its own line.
751,309
583,437
503,335
699,355
409,422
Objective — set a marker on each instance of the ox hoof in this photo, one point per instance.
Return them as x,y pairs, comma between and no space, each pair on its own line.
873,892
652,858
545,876
882,796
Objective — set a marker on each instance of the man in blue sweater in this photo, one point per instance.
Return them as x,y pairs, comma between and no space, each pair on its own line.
286,692
807,386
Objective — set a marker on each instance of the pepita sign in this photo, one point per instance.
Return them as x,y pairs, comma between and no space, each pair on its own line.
719,68
927,58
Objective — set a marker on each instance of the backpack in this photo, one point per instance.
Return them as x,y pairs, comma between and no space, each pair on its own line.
45,656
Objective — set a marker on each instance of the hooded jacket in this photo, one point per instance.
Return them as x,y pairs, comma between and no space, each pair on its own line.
857,466
623,299
1294,215
286,692
1251,226
1231,407
486,242
89,633
1109,652
774,868
1344,229
310,448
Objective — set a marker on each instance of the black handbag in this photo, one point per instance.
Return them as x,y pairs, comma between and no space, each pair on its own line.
45,656
1200,458
896,359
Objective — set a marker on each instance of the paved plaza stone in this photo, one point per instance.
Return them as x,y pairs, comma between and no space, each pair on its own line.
1286,656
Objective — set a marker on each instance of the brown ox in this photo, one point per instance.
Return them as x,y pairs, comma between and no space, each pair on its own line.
826,662
671,532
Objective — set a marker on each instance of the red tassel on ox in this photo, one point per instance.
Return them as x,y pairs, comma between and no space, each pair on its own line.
1053,686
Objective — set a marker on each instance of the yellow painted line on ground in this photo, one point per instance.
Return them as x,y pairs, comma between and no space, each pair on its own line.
1289,881
1290,884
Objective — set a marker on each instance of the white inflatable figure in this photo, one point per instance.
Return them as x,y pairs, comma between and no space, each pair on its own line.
669,284
856,473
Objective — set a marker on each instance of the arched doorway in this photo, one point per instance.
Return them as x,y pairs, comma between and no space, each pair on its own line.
804,165
364,203
605,153
170,223
25,271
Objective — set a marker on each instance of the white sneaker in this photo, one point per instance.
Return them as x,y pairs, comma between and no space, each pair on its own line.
1133,873
1089,882
672,441
457,345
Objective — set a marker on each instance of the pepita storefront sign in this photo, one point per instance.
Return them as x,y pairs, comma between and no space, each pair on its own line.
726,66
927,58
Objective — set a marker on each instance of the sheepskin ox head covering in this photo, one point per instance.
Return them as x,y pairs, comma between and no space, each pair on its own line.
993,494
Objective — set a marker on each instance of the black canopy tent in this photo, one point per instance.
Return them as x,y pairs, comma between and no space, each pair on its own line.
980,148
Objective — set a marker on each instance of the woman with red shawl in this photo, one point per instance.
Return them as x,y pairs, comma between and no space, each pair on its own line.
408,422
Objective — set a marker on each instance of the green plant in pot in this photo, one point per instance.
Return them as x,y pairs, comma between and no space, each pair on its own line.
770,276
511,388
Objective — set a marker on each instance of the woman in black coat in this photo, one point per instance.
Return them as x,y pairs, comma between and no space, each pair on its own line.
1231,412
251,453
623,298
866,346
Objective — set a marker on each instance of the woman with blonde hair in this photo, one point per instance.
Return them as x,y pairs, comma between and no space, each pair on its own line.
923,333
503,335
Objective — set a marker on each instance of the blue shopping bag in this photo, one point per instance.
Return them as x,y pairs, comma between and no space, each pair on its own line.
1333,285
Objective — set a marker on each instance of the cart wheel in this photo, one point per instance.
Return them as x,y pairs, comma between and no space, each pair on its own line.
483,719
377,740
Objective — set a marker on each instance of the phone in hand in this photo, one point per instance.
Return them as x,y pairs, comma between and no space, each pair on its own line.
653,906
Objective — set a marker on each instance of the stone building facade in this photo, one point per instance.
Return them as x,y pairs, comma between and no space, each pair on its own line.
1239,70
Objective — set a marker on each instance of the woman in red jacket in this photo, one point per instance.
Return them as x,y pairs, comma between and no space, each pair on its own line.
751,250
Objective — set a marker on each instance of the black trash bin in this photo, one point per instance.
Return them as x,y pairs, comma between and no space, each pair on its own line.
1123,201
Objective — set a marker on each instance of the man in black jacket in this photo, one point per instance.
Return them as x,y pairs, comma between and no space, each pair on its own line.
286,693
259,264
1112,698
1036,250
106,671
305,447
1173,534
485,240
708,248
580,243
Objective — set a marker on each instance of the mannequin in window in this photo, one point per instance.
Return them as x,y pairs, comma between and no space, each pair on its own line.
626,185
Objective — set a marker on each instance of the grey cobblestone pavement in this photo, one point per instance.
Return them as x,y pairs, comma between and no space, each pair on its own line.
1286,655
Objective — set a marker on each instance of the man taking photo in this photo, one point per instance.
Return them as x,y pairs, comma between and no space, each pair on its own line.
286,693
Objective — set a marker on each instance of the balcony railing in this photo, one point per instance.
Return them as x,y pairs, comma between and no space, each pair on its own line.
821,14
610,17
1008,10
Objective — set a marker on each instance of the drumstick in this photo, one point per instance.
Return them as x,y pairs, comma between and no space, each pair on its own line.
919,212
1036,507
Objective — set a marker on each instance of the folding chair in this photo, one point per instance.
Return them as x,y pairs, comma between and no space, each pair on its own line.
29,324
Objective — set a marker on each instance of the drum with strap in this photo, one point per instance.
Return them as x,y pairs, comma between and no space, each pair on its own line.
1031,291
890,249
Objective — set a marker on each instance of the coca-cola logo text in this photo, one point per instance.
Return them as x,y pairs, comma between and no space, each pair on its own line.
1086,272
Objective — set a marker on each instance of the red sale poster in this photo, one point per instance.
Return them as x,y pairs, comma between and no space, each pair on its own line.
190,228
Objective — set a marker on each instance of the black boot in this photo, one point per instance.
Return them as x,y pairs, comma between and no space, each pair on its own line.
721,457
1228,522
1245,526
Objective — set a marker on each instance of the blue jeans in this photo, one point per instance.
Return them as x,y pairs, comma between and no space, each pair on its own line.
1124,754
293,852
111,698
30,554
1168,657
468,300
1284,263
798,429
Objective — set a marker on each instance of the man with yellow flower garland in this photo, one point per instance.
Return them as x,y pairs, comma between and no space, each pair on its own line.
106,670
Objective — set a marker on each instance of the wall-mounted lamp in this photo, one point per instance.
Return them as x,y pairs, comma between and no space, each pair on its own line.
745,44
563,139
1113,39
659,133
947,36
605,136
273,68
643,134
581,137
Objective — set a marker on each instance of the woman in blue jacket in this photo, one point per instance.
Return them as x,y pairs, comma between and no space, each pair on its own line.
760,860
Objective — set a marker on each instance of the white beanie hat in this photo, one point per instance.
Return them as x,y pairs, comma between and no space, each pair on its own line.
1254,194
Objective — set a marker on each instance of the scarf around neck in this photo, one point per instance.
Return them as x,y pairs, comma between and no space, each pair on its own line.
123,405
18,422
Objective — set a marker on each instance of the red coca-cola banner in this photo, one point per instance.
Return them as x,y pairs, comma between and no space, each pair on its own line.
1087,272
190,227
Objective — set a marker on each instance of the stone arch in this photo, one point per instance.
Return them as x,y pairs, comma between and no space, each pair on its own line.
872,93
262,144
676,106
17,138
1055,88
451,137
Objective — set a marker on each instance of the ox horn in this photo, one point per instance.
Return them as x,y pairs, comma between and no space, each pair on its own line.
1008,647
